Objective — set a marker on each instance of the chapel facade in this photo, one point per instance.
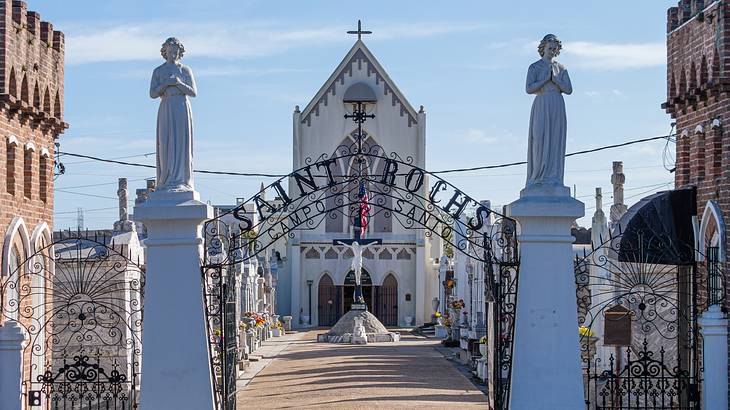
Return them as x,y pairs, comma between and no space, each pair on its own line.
31,121
698,81
400,277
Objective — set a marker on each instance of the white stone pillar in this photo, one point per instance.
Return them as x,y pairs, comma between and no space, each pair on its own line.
175,360
296,286
422,305
13,339
546,371
714,325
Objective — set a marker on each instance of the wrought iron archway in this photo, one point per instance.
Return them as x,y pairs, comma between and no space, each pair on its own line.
329,187
80,298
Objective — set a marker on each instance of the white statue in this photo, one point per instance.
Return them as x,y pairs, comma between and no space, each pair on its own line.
358,332
173,83
356,264
548,80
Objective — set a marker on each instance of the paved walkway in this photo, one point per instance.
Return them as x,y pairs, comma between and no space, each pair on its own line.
297,372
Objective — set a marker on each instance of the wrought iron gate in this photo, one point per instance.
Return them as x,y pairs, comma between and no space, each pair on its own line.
219,292
501,280
639,297
80,298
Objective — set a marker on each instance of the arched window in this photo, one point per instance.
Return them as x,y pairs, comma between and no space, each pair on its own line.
10,146
43,176
12,294
28,173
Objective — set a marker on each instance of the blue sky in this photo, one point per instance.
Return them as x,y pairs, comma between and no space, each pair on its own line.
255,60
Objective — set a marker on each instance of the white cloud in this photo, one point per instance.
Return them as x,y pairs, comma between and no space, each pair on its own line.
480,136
608,56
221,41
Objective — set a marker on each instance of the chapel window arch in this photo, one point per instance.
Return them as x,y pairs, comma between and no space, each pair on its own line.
712,250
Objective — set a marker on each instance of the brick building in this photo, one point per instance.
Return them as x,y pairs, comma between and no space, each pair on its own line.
698,99
31,120
698,82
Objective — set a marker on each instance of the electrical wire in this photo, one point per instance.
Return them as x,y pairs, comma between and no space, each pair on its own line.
446,171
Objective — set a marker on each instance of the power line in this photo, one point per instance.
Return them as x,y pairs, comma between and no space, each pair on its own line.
446,171
84,194
587,151
201,171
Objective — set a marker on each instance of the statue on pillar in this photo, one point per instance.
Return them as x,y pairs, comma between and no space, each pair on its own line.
618,179
123,224
548,81
173,83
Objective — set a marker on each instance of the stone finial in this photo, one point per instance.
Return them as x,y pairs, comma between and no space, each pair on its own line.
598,215
618,209
122,194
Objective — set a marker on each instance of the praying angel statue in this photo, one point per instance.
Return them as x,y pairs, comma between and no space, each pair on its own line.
356,264
548,81
173,83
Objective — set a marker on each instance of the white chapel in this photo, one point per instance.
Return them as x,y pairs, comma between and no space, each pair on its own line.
400,278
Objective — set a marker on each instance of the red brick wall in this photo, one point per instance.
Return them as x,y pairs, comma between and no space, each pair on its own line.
31,118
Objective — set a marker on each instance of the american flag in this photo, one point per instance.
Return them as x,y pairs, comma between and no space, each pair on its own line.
364,209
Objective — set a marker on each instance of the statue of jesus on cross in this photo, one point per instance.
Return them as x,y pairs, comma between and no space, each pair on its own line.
357,250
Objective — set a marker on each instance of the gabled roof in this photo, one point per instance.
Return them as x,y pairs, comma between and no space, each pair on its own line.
357,54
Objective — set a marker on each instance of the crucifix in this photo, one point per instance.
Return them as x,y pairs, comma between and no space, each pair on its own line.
359,31
360,218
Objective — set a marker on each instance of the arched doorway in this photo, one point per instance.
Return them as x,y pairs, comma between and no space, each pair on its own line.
348,290
387,308
326,301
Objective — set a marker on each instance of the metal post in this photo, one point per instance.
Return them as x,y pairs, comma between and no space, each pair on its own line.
309,284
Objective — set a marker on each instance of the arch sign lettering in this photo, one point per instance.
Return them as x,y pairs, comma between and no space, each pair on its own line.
330,187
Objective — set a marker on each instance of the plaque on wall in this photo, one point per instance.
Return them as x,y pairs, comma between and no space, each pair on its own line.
617,326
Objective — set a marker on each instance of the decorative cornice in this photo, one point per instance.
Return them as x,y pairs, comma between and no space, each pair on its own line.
27,114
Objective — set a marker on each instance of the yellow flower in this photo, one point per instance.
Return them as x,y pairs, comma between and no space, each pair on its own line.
584,331
438,314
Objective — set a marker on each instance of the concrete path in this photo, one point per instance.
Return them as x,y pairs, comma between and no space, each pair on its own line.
301,373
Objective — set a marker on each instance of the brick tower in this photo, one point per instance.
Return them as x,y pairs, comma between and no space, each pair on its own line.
31,120
698,98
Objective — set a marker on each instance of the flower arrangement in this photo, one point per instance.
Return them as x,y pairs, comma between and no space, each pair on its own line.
450,284
259,320
483,340
437,314
457,304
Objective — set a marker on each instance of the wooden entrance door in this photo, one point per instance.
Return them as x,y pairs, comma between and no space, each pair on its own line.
326,302
388,300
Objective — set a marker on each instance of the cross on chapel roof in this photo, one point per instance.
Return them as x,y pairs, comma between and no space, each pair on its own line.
359,31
